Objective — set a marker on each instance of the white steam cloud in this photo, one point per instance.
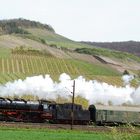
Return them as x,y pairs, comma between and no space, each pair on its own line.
92,90
127,79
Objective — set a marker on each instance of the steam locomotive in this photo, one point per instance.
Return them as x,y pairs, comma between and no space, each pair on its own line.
41,111
19,110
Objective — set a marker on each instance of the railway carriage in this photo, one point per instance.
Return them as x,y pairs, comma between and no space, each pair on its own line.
101,114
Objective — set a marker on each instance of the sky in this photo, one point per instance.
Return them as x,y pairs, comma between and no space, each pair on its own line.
81,20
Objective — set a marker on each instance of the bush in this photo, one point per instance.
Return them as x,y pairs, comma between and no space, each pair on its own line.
30,51
125,72
42,41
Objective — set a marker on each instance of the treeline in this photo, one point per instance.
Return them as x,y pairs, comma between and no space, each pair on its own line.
108,53
16,26
127,46
10,28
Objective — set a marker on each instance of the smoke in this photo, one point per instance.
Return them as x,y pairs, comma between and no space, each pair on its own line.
92,90
127,79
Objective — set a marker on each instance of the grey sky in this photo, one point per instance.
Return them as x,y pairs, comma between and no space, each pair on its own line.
93,20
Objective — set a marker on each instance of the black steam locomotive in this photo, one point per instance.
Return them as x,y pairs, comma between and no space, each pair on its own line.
41,111
19,110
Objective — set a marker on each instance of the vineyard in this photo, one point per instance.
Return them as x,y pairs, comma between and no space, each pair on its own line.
21,66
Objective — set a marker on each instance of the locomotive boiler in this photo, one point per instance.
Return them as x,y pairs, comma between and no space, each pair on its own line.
21,110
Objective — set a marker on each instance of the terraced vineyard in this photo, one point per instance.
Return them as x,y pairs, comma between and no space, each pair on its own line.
21,66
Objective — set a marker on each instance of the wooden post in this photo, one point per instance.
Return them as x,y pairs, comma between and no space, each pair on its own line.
72,107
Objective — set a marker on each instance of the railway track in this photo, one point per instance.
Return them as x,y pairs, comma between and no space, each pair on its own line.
91,128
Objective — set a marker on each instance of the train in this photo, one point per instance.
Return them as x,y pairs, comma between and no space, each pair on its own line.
20,110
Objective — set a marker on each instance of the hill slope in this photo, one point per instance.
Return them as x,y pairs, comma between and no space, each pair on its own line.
30,48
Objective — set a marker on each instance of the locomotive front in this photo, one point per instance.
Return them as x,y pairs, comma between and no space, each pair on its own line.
24,111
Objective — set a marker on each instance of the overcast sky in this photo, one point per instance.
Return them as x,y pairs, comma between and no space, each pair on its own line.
91,20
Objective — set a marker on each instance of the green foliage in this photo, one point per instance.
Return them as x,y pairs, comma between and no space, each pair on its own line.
125,72
11,27
43,41
30,51
82,101
53,45
16,30
123,46
32,37
108,53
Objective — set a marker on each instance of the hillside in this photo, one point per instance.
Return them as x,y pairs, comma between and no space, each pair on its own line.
127,46
30,48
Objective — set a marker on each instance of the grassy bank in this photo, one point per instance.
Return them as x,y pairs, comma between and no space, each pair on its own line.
42,134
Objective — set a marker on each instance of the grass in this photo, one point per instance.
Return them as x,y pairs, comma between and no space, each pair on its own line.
52,38
95,69
59,134
48,135
129,132
4,52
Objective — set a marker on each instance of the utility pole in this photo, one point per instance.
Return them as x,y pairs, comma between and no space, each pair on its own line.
72,107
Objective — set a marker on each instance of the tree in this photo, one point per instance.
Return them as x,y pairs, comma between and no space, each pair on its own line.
125,72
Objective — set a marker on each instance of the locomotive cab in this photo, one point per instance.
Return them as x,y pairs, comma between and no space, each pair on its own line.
48,110
64,114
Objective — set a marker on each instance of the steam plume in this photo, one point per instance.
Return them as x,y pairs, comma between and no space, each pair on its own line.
127,79
92,90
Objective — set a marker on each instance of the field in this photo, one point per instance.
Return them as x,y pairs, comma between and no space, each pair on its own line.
60,134
50,135
21,66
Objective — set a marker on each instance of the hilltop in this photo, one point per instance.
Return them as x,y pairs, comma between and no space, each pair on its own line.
18,25
30,48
